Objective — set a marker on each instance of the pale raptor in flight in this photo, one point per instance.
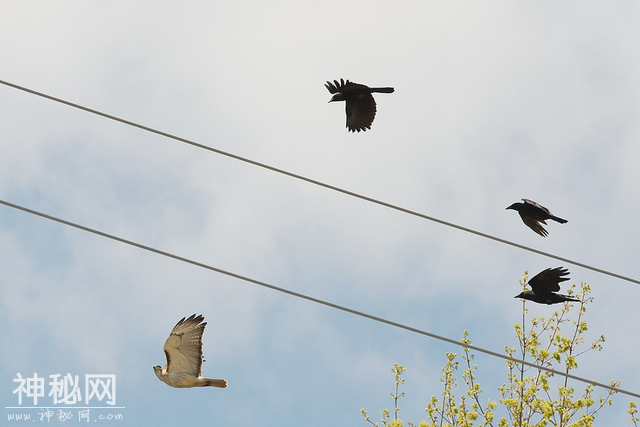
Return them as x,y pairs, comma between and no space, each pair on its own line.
183,349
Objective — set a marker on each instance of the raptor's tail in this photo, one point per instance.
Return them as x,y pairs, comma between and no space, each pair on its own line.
208,382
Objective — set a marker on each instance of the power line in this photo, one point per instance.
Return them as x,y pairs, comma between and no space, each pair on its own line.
321,184
312,299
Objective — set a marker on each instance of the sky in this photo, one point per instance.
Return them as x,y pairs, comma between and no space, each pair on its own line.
494,101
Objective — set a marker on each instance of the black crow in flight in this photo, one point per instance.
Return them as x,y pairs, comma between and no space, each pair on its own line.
533,214
361,107
545,284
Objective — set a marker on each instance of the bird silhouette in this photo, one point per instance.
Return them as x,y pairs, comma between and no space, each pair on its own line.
360,105
545,284
533,214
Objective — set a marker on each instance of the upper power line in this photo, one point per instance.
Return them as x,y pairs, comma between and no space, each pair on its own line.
321,184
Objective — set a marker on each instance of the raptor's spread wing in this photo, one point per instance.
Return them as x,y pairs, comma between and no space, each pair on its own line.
183,348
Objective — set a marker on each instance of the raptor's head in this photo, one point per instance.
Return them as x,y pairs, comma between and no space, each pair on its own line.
158,371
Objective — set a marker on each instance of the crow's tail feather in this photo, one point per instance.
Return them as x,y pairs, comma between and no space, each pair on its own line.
558,219
382,89
568,298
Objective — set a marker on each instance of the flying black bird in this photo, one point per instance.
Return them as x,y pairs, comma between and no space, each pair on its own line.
533,214
545,284
361,107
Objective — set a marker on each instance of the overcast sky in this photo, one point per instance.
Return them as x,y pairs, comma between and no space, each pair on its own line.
495,101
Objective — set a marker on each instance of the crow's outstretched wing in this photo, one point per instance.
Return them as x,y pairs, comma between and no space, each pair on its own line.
361,110
534,224
344,86
548,280
537,206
